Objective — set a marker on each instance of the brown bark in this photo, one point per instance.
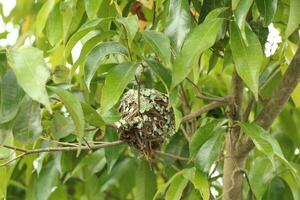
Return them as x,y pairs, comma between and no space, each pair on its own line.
233,163
237,145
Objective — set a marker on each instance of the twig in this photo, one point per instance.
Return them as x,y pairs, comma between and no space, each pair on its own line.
139,93
202,110
209,97
58,142
172,156
54,149
186,135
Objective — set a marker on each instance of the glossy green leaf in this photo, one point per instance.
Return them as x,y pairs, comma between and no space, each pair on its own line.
54,26
294,18
146,179
74,108
176,188
43,14
160,44
92,7
209,151
41,186
115,83
267,9
31,71
161,72
83,30
112,154
247,56
199,181
261,173
27,124
200,39
203,134
91,116
241,12
89,46
97,54
11,96
178,22
265,143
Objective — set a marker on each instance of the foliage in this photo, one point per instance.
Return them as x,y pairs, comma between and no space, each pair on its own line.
51,98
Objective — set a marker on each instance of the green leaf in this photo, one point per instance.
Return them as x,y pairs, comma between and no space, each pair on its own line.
89,45
83,30
97,54
54,27
260,175
92,7
241,12
146,182
199,181
61,126
122,177
112,154
10,97
5,174
91,116
176,188
115,83
27,124
43,14
248,57
161,72
293,182
267,9
265,143
209,151
74,108
278,190
294,18
178,22
160,44
31,71
130,25
200,39
203,134
41,186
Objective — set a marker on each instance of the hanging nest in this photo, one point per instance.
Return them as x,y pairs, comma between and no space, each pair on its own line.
146,122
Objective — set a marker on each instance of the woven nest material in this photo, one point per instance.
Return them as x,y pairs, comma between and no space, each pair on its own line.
145,126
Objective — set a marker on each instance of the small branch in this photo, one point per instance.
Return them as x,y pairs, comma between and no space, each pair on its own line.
186,135
202,110
54,149
172,156
184,98
248,108
13,159
139,93
208,97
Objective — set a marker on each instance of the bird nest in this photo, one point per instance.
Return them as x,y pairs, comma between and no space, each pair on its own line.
146,119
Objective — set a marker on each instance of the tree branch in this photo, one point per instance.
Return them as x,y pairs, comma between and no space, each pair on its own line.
278,98
202,110
54,149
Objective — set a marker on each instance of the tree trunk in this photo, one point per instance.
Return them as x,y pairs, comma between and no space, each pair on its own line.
232,172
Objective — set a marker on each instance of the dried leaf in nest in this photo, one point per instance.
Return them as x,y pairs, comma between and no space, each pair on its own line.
145,126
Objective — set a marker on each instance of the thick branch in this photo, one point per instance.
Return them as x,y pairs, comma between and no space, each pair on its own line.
278,99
